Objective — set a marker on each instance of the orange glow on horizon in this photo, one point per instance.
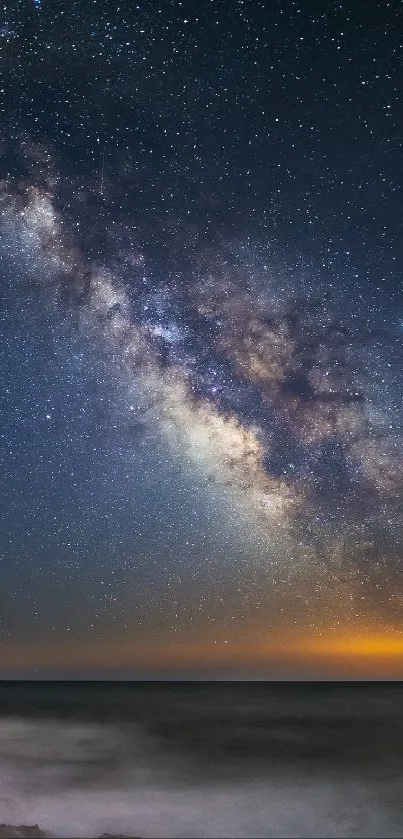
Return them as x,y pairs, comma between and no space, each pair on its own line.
346,652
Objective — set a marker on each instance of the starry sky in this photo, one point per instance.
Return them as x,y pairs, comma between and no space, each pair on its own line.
201,338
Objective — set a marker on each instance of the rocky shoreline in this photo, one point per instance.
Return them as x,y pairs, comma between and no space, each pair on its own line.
33,831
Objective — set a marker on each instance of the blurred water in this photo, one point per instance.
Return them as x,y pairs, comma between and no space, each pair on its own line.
203,760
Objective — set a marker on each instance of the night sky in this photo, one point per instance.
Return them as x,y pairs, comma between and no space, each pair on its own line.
201,338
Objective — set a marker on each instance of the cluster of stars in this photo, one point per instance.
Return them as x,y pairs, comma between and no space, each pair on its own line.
200,222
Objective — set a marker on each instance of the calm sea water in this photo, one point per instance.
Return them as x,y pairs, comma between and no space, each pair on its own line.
203,760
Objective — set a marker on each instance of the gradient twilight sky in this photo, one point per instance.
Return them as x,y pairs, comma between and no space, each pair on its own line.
201,354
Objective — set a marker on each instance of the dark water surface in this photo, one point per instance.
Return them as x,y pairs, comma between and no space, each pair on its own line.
203,759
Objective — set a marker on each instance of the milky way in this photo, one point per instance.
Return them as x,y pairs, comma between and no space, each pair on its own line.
267,393
226,320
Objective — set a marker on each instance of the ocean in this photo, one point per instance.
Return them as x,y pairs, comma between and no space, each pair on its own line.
194,759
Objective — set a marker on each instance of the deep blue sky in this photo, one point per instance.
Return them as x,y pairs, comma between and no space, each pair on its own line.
201,331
